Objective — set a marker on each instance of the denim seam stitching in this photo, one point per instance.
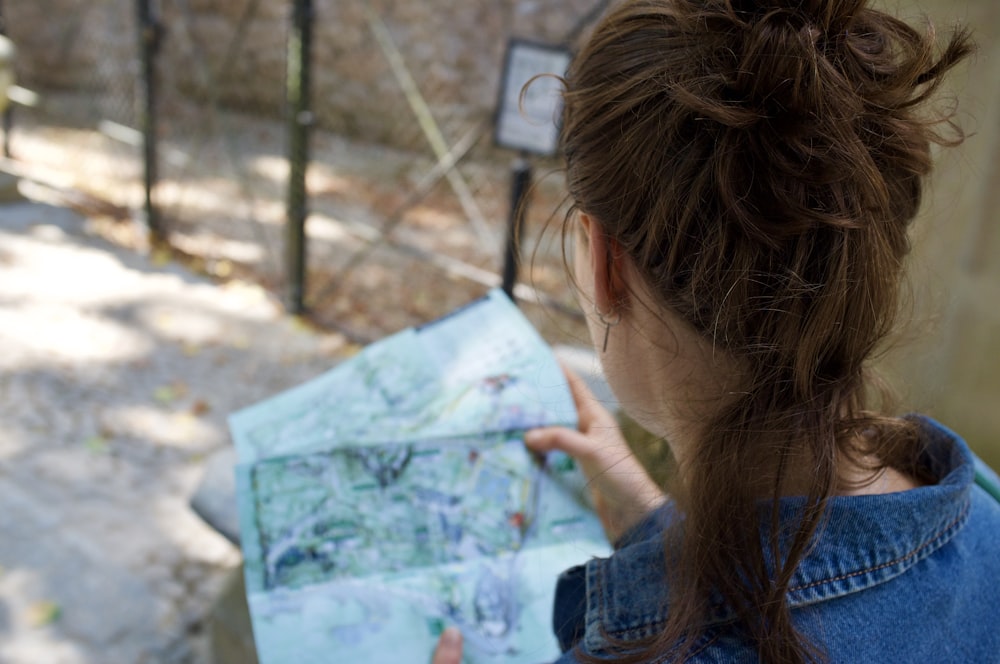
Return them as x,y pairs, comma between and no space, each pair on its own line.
897,561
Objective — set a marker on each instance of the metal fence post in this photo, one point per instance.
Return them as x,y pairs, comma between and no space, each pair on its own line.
8,114
149,43
520,184
300,120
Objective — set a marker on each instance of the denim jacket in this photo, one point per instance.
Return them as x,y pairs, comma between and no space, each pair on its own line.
902,577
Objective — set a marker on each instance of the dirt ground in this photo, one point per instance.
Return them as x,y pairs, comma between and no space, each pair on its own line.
124,359
167,340
385,250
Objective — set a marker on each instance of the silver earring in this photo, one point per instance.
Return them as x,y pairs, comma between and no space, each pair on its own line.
608,324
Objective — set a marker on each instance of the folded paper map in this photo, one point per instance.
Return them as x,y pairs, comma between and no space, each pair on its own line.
392,496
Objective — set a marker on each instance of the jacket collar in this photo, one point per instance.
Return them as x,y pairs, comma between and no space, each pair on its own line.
865,541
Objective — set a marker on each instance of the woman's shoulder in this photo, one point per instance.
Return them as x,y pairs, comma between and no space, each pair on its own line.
901,569
954,463
909,576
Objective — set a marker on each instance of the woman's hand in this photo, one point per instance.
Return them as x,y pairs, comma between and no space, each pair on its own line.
449,647
623,491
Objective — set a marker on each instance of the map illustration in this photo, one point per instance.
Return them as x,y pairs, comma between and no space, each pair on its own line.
392,497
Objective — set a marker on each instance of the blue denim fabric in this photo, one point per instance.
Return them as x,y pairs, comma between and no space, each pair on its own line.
902,577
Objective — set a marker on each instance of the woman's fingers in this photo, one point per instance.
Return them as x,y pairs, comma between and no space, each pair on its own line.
589,409
449,647
564,439
622,490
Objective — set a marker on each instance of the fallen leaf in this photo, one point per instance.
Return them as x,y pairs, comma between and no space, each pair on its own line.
43,613
200,407
222,268
96,445
160,257
240,341
164,394
170,392
350,350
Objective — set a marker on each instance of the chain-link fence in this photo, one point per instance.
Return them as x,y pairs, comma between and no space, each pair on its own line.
79,137
408,198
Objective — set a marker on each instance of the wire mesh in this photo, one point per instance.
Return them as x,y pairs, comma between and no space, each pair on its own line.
407,197
81,136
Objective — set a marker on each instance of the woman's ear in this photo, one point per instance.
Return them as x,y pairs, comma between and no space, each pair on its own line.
606,264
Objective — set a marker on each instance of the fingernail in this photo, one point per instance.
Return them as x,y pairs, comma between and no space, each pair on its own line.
532,436
451,637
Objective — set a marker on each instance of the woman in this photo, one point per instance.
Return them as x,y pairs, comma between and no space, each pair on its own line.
744,174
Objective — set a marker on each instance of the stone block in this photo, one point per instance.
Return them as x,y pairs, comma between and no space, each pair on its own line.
229,627
9,193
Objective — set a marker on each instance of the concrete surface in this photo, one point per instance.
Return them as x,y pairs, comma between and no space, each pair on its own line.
116,375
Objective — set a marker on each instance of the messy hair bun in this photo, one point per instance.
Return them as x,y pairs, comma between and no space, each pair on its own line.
828,88
760,161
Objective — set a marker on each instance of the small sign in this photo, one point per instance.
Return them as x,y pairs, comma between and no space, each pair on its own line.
530,123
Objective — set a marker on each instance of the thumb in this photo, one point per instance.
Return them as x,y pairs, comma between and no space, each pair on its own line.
564,439
449,647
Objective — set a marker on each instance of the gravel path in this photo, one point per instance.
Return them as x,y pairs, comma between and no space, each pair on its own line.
116,375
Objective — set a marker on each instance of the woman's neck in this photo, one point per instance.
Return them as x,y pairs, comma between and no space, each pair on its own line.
673,381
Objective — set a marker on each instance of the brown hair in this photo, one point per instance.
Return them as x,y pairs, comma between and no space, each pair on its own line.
760,163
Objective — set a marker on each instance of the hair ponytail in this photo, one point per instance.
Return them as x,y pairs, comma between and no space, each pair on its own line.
760,162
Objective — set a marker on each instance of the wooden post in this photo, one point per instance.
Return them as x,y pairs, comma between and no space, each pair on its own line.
300,120
149,44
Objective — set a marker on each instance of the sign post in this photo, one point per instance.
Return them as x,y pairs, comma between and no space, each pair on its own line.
528,108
